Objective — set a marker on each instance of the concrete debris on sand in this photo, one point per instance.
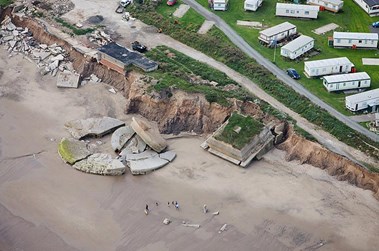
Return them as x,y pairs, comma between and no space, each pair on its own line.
223,228
166,221
149,133
97,127
121,136
100,163
100,38
190,225
72,150
49,58
134,145
67,79
144,166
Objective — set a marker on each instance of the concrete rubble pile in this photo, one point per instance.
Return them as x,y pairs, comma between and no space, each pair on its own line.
49,58
100,38
139,146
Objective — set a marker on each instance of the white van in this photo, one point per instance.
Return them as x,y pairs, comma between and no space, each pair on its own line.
220,4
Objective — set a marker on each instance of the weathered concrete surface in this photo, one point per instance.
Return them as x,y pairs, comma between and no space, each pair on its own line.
250,24
67,79
144,166
72,150
135,145
205,27
169,155
121,136
324,29
140,156
181,10
370,61
149,133
97,127
100,163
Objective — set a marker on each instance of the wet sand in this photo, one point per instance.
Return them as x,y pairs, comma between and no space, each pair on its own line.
47,205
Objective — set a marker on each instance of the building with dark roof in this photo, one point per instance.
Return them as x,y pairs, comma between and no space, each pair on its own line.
370,6
116,57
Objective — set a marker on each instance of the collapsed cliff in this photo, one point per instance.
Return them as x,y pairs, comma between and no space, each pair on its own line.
312,153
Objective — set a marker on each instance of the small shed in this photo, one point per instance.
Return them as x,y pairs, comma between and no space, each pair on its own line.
297,47
220,5
355,40
330,5
297,10
328,66
370,6
348,81
364,100
252,5
277,32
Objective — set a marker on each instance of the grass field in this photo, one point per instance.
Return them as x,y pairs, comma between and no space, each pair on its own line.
5,2
353,18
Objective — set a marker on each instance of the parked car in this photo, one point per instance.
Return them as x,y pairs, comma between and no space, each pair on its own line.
137,46
125,3
171,2
293,73
375,24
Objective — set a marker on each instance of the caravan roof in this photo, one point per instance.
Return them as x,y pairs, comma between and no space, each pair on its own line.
357,98
289,6
297,43
355,35
347,77
277,29
328,62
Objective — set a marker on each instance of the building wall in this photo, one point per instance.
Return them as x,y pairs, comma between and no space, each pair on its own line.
112,63
357,106
292,55
278,37
348,85
327,70
358,43
326,5
296,13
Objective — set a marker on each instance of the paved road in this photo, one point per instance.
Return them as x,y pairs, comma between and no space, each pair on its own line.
280,74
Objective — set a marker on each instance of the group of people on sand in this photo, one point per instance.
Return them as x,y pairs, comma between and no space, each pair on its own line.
174,203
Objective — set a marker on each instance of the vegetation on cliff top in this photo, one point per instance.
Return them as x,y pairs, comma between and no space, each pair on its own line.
240,130
4,3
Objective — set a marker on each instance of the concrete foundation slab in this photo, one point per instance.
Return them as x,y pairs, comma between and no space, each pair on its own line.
183,8
370,61
324,29
169,155
72,150
250,24
97,127
146,165
68,79
205,27
100,163
121,136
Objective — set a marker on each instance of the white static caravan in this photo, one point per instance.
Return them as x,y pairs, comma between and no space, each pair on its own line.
328,67
348,81
355,40
370,6
330,5
297,47
220,5
297,10
278,32
252,4
363,101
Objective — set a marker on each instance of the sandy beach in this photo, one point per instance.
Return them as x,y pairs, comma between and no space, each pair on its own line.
47,205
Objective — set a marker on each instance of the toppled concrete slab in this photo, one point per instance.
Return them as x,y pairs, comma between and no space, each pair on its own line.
121,136
149,133
370,61
324,29
146,165
100,163
140,156
72,150
135,145
97,127
169,155
181,10
250,24
67,79
205,27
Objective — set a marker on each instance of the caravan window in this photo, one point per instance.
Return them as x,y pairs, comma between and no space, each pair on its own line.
287,11
292,11
306,12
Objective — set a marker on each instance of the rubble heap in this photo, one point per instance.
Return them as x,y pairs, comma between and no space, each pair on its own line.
49,58
100,38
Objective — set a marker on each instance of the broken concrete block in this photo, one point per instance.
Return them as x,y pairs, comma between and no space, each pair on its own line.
10,26
7,38
43,46
166,221
135,145
67,79
97,127
149,133
144,166
94,78
57,58
169,155
42,55
121,136
140,156
72,150
223,228
190,225
100,163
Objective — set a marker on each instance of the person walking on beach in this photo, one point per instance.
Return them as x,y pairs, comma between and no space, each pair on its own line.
147,209
205,209
176,205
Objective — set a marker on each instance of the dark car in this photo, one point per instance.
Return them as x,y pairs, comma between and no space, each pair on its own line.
137,46
293,73
171,2
375,24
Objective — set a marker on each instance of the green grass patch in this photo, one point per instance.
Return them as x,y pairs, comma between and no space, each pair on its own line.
74,29
216,45
4,3
248,127
352,18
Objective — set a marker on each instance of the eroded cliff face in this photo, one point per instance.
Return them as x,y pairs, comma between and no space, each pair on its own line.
308,152
176,111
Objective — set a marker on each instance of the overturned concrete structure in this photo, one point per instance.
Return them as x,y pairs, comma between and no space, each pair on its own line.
100,163
254,148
